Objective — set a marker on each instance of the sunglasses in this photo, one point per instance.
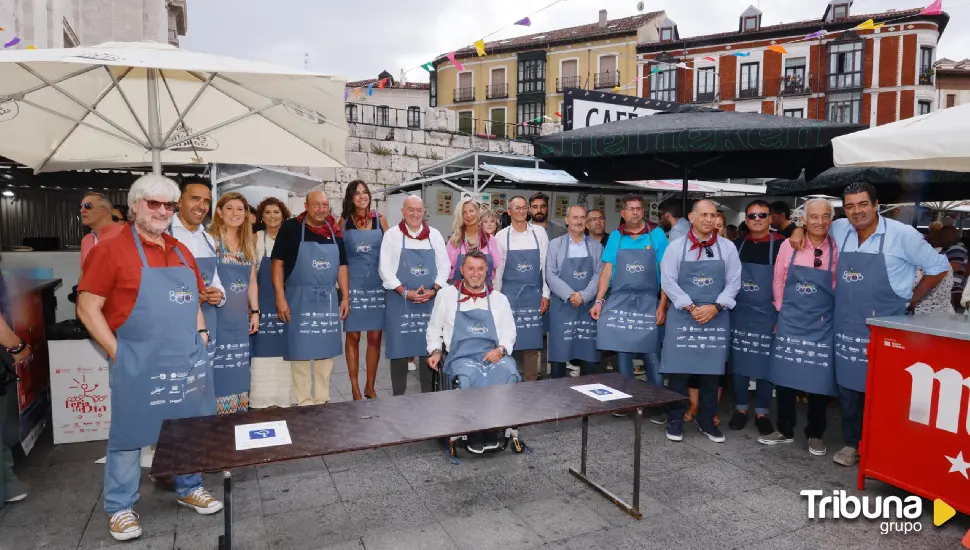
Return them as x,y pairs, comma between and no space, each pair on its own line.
818,258
709,252
758,216
155,205
87,206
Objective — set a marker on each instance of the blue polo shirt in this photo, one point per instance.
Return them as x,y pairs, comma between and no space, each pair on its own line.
656,238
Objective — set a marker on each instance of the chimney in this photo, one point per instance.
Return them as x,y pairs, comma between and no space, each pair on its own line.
602,22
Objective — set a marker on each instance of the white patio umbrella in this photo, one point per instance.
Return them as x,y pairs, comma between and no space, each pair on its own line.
137,104
937,141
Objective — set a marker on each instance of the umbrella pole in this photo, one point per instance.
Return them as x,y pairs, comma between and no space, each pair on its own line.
154,126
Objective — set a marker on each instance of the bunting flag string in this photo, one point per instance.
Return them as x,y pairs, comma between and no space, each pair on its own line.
12,43
936,8
524,22
480,47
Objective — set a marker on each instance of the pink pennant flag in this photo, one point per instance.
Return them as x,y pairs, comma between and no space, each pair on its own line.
459,66
525,22
936,8
709,58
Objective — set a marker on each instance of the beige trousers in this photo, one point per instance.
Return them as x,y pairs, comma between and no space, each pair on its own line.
311,386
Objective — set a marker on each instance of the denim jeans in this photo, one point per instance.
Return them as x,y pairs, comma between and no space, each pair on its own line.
853,404
624,362
122,476
707,405
762,394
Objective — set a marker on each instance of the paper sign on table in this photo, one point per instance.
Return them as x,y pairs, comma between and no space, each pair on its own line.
600,392
262,434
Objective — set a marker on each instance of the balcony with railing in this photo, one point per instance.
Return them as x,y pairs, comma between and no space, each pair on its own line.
464,95
564,82
844,81
609,79
926,76
749,91
796,85
382,115
497,91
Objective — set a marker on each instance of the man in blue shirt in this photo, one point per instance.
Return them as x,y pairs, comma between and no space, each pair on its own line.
878,258
672,218
628,323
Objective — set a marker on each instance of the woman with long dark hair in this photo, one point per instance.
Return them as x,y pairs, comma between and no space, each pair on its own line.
272,379
363,231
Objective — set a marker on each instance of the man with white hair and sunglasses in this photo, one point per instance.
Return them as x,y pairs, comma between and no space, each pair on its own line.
139,298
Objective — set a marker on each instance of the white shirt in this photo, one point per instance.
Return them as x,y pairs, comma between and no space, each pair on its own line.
523,241
391,255
576,250
263,248
201,245
442,324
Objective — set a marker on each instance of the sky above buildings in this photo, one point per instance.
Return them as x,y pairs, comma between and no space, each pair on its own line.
358,39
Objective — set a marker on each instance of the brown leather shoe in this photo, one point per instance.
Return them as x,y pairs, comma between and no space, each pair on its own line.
166,483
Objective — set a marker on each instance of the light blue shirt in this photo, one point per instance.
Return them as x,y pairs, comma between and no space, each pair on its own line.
626,242
905,250
670,268
679,230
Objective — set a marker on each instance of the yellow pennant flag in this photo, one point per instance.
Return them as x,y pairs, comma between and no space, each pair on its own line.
777,48
867,25
31,47
480,47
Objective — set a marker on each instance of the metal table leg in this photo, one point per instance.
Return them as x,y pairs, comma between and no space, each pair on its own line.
225,541
581,475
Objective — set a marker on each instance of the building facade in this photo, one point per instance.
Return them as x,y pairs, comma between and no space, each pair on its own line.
522,79
72,23
399,104
952,82
871,77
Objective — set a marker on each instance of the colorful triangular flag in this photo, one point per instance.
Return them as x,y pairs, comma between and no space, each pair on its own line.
616,88
656,69
525,22
709,58
370,89
459,66
346,93
865,25
778,49
815,35
429,66
741,54
13,42
381,83
31,47
936,8
557,114
357,93
480,47
682,65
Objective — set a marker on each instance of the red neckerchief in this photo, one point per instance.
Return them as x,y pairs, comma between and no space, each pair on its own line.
697,244
468,294
323,230
767,238
647,227
482,239
424,234
359,222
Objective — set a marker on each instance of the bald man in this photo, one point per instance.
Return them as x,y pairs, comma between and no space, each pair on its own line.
414,265
309,263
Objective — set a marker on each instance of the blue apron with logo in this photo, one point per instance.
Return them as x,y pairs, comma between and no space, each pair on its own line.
407,323
753,318
573,334
522,285
161,369
311,293
461,259
691,348
628,320
474,336
802,355
366,291
270,339
230,367
207,269
862,290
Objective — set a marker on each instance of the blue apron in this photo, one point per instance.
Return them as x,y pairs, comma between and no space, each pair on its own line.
802,356
314,305
161,369
628,320
270,340
407,322
522,285
573,334
862,290
230,367
366,291
461,259
753,318
207,269
474,336
690,348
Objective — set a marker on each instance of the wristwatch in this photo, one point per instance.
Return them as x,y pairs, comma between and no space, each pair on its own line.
719,307
600,302
18,348
504,351
690,308
204,331
254,312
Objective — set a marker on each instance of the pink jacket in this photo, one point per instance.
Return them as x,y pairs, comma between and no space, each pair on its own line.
492,250
805,258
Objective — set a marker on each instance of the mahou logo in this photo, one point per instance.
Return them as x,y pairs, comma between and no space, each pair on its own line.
363,248
948,399
703,281
635,268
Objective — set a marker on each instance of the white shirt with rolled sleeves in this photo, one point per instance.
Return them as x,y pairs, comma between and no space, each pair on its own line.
391,255
905,250
523,241
198,242
442,323
670,268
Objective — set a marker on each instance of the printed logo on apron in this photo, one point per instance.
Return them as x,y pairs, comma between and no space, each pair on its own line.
363,248
180,296
320,264
852,276
206,279
523,267
419,271
239,286
581,275
635,267
703,280
478,329
806,288
750,286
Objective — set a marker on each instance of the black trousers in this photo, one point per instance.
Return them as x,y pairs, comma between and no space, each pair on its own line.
817,407
585,368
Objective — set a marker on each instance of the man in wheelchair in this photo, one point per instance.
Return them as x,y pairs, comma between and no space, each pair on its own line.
477,325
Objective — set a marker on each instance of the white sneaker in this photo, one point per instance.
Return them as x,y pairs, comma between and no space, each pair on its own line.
123,525
201,501
412,365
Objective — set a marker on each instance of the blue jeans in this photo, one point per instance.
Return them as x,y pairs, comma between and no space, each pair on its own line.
762,394
624,362
853,404
122,475
707,400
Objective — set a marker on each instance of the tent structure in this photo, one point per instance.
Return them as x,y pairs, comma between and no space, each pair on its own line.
892,185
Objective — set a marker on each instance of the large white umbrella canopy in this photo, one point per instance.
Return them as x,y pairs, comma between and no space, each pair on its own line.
937,141
137,104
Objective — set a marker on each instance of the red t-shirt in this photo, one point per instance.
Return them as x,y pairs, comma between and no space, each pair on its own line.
108,232
113,271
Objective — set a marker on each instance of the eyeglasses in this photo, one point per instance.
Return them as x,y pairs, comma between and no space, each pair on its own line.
818,257
518,208
155,205
634,209
88,206
758,216
595,219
